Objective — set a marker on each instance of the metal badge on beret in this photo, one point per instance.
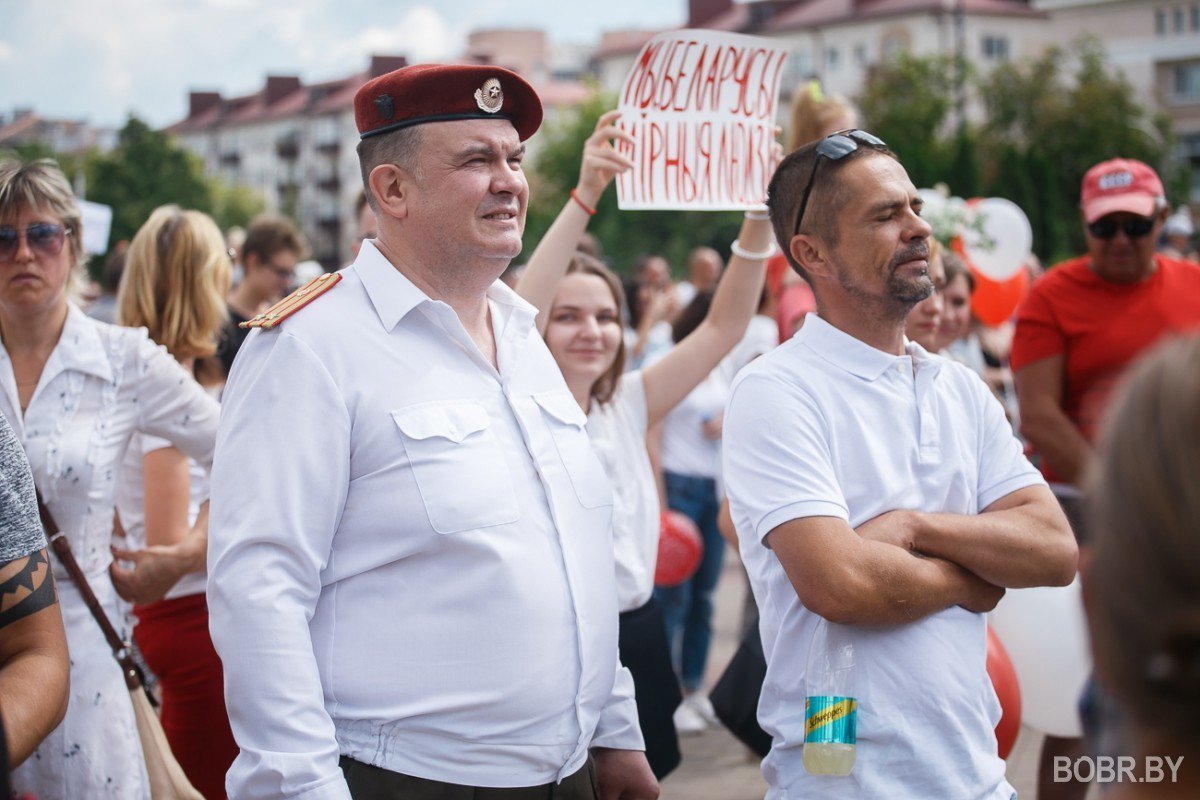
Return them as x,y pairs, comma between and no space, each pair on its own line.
385,106
489,97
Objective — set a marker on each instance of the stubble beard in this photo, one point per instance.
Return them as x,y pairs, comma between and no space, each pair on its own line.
900,294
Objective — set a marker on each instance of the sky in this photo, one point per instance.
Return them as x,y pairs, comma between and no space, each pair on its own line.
101,60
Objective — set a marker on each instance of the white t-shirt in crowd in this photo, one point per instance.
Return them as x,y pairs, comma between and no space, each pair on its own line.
618,433
131,502
826,425
761,336
686,450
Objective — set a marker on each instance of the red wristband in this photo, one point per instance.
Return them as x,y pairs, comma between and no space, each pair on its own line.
575,196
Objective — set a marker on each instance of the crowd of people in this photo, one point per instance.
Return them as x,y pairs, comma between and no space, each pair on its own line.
395,534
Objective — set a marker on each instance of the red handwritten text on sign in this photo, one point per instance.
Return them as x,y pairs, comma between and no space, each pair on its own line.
701,108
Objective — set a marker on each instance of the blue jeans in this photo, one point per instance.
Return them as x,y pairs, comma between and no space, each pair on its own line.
690,604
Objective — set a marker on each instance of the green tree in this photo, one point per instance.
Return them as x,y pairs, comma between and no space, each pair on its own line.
1048,121
907,101
144,171
232,204
624,235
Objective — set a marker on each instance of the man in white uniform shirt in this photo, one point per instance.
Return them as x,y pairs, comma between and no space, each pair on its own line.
411,578
879,486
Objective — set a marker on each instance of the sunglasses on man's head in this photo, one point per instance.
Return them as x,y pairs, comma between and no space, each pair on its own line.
1134,228
44,238
835,147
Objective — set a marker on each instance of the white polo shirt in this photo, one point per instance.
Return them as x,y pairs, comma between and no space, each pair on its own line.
826,425
410,557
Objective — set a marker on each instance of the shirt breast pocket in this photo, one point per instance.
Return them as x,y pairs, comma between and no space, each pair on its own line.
567,424
457,465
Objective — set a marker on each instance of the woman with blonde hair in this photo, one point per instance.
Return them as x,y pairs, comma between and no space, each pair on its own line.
176,277
1141,579
815,115
75,390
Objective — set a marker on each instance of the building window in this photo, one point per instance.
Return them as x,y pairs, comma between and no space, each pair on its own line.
995,48
800,65
1179,20
1160,22
1195,18
831,59
1187,83
860,54
895,42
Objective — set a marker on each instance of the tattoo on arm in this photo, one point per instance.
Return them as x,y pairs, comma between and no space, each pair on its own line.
26,586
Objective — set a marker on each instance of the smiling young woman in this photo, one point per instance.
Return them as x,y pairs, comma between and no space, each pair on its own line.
580,308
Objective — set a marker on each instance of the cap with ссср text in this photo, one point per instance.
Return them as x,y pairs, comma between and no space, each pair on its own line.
1120,184
426,93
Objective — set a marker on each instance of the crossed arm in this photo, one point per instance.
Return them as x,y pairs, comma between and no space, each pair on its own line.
34,670
905,565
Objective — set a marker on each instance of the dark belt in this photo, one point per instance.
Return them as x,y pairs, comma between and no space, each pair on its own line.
368,782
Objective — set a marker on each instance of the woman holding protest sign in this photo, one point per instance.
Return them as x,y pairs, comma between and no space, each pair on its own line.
580,303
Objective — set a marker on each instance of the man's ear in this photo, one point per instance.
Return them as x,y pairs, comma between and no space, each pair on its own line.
812,254
390,184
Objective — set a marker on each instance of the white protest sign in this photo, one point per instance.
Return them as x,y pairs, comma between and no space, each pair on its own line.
97,223
700,106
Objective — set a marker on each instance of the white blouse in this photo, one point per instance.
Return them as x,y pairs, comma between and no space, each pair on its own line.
100,384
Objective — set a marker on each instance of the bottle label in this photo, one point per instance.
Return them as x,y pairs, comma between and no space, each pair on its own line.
830,720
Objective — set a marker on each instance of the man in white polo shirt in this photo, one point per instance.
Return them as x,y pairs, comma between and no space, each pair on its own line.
880,487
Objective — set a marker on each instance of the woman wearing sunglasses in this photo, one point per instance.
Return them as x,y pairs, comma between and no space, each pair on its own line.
75,390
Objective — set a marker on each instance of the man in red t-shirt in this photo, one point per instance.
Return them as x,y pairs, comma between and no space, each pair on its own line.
1080,327
1088,318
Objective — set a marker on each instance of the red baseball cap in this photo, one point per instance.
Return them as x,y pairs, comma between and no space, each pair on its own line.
444,92
1120,184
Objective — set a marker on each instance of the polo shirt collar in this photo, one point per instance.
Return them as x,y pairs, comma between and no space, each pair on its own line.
393,295
856,356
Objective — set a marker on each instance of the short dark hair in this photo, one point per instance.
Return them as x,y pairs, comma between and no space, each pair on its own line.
267,235
398,147
825,203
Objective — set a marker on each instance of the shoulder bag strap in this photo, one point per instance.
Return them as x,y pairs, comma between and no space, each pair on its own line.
62,548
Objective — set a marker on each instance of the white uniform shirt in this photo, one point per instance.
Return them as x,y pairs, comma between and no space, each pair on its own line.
410,559
100,384
618,433
826,425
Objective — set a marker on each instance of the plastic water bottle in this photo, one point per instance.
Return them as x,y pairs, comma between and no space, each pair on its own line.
831,704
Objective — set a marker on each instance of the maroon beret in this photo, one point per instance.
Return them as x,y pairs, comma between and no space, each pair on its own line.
444,92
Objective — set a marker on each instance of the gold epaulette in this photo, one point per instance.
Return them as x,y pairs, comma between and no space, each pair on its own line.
294,302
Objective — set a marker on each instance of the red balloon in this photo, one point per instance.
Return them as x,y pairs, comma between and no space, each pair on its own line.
1004,681
679,549
994,302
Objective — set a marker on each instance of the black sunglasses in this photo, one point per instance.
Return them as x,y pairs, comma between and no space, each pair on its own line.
1134,228
44,238
835,147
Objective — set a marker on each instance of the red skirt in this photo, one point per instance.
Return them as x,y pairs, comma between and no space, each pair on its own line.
174,640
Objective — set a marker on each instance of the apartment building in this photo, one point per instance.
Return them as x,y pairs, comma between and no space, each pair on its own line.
294,143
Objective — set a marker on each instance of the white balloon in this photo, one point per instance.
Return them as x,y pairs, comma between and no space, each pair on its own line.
1010,234
935,202
1045,634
